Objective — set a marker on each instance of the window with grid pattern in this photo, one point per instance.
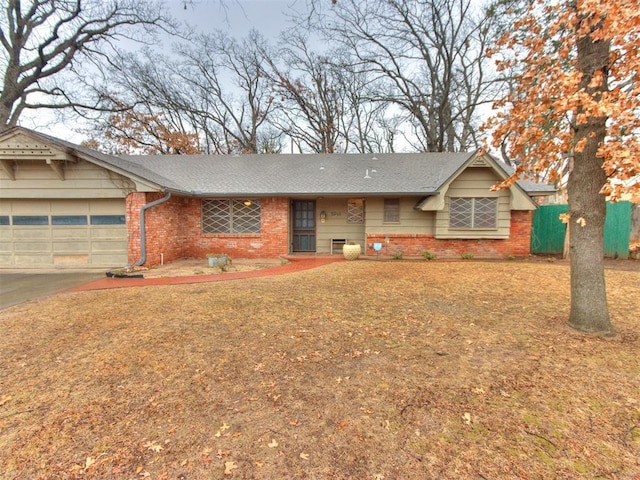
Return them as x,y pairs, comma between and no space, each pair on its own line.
481,212
231,216
391,210
355,210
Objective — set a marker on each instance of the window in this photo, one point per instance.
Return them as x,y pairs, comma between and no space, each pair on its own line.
4,219
473,212
355,210
30,220
107,220
391,210
69,220
231,216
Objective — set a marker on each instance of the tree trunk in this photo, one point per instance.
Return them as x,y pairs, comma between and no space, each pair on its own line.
587,206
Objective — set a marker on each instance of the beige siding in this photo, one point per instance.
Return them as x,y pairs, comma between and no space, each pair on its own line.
36,179
336,225
411,220
475,182
63,245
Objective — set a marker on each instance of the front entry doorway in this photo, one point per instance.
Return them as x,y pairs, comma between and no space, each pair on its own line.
304,226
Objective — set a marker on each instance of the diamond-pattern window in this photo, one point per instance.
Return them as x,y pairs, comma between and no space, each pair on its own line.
231,216
355,210
479,212
485,212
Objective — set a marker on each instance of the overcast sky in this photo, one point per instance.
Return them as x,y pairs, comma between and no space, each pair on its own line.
237,17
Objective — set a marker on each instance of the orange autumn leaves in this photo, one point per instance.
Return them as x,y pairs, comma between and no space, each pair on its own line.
548,99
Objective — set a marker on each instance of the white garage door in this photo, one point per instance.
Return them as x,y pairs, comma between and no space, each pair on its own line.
63,233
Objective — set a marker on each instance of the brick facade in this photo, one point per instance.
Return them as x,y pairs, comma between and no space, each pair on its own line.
518,243
174,231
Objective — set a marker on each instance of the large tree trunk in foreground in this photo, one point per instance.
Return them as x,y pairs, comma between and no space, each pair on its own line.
587,206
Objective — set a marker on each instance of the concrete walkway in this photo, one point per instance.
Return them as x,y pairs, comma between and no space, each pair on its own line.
295,264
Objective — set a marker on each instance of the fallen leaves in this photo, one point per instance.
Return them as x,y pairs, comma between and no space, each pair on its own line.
229,467
266,406
221,430
153,446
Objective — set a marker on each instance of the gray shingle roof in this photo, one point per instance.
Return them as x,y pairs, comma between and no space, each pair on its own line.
284,175
336,174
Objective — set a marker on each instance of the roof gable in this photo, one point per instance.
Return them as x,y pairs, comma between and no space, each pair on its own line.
520,199
22,144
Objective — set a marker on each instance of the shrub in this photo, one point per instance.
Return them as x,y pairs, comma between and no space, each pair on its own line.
427,255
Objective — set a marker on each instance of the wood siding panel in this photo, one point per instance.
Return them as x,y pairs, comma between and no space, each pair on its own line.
82,180
412,221
336,225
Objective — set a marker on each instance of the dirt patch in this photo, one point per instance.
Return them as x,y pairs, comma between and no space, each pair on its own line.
198,266
367,370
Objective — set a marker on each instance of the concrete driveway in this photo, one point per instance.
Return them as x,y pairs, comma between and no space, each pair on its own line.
22,287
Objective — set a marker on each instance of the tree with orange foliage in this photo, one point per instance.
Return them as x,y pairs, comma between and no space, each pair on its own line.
134,132
576,102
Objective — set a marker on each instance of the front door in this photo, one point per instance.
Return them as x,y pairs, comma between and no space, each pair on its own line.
304,225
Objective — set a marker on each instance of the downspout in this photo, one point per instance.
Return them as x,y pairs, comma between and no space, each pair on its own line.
143,232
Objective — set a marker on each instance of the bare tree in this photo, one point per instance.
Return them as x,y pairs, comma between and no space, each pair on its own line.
211,87
228,91
43,40
308,95
429,59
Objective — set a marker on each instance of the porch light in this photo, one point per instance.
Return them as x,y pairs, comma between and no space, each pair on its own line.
247,203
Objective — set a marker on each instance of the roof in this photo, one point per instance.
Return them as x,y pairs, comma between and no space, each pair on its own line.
286,174
328,174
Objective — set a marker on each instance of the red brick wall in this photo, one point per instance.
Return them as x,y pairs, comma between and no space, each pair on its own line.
518,243
174,230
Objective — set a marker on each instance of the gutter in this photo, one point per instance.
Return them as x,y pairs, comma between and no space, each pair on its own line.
143,232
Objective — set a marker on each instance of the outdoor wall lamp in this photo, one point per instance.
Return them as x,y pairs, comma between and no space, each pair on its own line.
323,216
247,203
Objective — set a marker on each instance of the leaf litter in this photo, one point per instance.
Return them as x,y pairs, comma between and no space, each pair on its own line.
353,370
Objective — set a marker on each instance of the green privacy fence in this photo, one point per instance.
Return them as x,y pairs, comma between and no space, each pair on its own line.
547,232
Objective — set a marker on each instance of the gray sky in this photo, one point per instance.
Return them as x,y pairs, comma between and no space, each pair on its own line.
237,17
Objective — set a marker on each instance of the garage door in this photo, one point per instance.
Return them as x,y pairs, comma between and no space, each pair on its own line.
63,233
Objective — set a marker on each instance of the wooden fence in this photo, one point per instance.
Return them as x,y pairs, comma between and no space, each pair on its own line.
548,232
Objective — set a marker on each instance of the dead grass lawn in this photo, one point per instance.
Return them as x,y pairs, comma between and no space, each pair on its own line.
356,370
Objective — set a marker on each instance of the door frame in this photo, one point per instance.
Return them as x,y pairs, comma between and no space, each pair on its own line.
311,233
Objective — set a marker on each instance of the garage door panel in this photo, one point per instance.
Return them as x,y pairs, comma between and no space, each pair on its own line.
32,260
32,246
70,247
119,233
113,246
70,260
32,233
112,259
66,237
70,233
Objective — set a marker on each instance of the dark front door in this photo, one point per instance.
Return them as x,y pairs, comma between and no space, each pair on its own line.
304,225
